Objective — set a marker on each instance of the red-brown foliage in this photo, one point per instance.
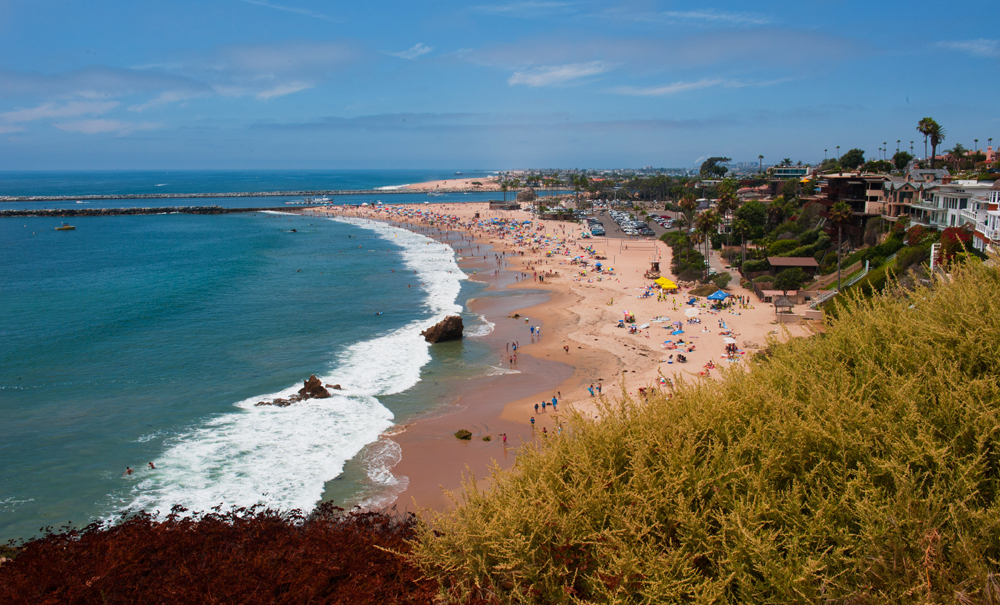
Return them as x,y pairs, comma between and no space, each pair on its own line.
955,240
246,556
916,234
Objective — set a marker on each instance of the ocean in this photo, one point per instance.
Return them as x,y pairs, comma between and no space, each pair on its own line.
137,339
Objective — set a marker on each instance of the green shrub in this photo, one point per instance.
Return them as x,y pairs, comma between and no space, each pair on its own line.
764,279
753,266
821,244
782,245
790,279
860,467
809,237
722,280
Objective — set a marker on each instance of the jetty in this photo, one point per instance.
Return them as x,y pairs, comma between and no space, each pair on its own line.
232,194
67,212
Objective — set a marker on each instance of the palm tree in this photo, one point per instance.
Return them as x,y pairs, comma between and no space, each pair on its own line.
840,214
824,154
760,168
707,222
742,228
933,131
937,137
728,203
898,141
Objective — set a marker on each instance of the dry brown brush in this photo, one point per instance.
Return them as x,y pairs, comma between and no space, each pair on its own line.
243,556
860,466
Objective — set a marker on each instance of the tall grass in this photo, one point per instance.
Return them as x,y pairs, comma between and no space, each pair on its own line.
860,466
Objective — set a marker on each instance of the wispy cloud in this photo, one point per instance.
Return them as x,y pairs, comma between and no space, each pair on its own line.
668,89
711,16
555,75
415,51
695,17
677,87
105,126
292,9
982,47
168,97
52,110
282,90
523,10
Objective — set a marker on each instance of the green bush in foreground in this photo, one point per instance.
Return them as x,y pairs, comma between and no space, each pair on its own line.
857,467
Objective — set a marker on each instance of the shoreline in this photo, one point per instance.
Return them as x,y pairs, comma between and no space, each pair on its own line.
579,321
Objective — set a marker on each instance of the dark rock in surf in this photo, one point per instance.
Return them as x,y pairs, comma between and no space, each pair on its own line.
449,328
313,389
335,387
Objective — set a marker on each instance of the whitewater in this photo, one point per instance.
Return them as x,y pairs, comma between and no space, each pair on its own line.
282,457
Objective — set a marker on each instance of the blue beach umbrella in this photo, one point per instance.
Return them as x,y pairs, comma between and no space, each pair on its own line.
719,295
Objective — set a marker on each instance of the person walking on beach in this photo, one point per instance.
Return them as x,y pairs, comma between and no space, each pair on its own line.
598,388
536,408
566,348
591,389
532,422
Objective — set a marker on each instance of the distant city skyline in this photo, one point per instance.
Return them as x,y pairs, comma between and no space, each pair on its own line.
230,84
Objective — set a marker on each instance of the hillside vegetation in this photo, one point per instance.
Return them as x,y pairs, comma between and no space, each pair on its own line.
860,466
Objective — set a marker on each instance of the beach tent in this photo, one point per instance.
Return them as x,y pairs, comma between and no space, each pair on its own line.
665,283
719,295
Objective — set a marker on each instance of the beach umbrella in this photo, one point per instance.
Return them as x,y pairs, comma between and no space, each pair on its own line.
677,323
729,340
643,326
691,312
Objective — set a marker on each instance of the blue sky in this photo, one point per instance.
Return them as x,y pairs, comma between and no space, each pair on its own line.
314,84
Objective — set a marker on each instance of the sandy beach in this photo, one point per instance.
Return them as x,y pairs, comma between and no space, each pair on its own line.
581,344
482,183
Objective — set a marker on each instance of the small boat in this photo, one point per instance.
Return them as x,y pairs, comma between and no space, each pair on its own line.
65,227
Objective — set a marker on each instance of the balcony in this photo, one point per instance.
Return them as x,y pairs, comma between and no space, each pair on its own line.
970,215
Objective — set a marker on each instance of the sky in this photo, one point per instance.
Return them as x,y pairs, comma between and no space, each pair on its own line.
312,84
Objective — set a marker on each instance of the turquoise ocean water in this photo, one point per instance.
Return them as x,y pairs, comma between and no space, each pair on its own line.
149,338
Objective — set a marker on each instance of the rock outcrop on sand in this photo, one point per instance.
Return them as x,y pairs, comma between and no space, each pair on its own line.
449,328
311,389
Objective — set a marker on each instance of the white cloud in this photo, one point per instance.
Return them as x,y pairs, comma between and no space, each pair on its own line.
292,9
554,75
523,10
414,52
282,90
982,47
710,16
165,98
668,89
8,128
51,110
676,87
104,126
704,17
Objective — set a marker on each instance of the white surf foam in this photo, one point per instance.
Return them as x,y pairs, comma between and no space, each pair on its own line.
282,457
480,330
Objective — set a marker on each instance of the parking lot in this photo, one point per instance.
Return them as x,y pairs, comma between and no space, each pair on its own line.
614,230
